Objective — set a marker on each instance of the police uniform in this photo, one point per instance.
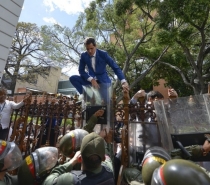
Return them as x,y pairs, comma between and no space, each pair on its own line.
10,159
9,180
91,124
195,150
91,144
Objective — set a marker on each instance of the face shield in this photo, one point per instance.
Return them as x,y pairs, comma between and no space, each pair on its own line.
44,159
13,158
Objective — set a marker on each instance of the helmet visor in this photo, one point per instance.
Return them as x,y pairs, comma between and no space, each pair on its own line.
13,158
45,159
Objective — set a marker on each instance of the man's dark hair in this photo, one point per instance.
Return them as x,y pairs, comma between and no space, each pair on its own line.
92,162
90,40
155,94
3,90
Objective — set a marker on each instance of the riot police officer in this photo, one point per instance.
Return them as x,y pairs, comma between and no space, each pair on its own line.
179,171
95,160
37,166
71,142
10,159
155,157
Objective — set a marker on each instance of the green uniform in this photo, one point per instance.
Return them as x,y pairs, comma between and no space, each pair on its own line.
91,124
194,150
9,180
61,176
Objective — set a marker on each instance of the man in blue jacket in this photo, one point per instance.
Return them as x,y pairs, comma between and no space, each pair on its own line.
95,61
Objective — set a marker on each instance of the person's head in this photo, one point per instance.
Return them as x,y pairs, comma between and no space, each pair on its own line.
10,156
90,45
92,151
3,94
35,167
179,171
152,95
153,158
70,143
132,174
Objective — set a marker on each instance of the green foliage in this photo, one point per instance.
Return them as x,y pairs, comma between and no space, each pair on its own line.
68,122
135,33
122,6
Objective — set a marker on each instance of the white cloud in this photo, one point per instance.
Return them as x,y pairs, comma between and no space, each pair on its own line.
68,6
50,20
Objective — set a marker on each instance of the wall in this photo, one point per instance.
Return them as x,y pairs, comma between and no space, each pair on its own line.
49,84
161,88
9,14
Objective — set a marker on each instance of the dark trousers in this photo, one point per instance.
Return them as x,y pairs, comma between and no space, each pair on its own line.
4,133
77,81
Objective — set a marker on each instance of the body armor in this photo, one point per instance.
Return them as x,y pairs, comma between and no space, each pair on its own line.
105,177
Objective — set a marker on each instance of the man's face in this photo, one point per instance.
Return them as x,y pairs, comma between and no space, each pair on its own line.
91,49
2,96
151,100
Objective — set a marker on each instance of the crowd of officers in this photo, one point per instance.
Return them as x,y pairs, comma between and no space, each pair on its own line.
90,159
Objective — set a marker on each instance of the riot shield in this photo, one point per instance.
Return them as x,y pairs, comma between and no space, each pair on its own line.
95,99
183,121
142,135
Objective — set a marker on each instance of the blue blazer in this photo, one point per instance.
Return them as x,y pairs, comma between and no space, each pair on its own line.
102,59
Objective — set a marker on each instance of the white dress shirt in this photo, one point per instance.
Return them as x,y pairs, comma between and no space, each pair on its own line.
7,111
93,62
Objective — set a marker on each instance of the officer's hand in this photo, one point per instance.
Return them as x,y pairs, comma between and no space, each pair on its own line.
99,113
109,136
95,84
77,158
125,87
103,133
140,93
206,146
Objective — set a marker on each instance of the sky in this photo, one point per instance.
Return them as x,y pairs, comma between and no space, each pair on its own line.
48,12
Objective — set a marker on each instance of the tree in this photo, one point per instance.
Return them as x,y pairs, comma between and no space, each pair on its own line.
184,26
26,57
131,34
124,37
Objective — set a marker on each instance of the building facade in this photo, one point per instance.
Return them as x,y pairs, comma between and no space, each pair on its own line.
9,14
49,83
